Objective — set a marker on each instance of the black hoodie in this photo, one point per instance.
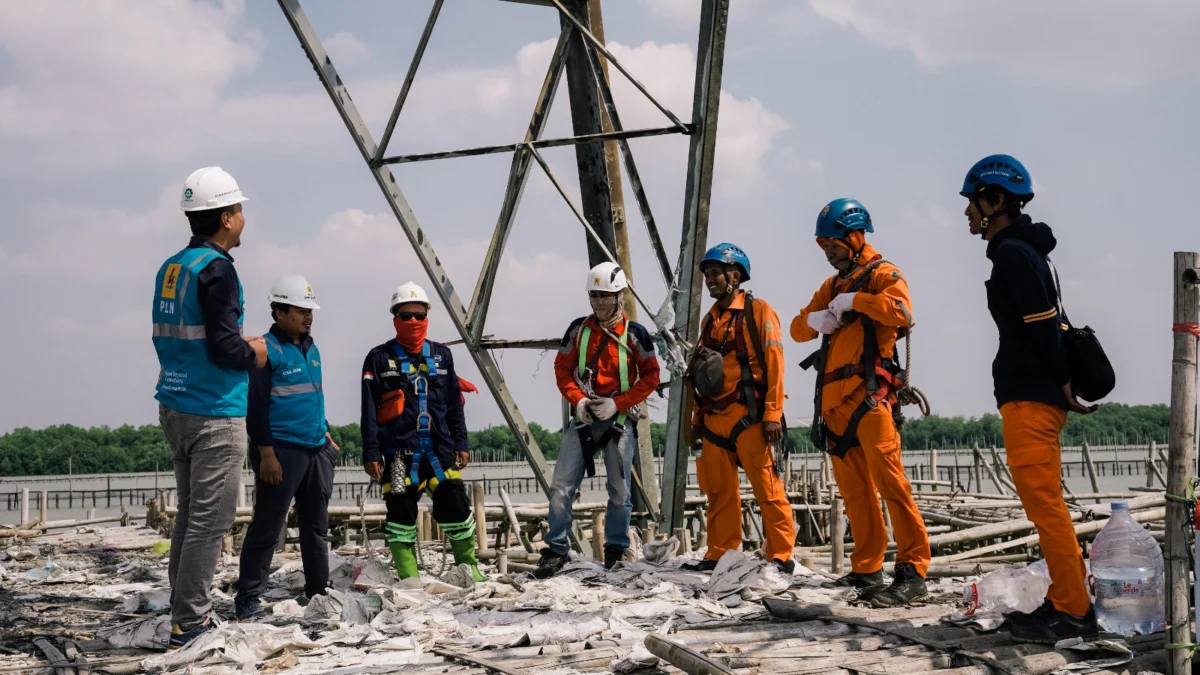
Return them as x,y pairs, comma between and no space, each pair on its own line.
1031,363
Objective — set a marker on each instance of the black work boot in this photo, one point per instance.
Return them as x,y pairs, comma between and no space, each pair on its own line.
858,580
701,565
1047,625
788,567
906,587
613,555
550,564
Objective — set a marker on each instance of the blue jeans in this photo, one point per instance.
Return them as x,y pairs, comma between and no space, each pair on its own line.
568,474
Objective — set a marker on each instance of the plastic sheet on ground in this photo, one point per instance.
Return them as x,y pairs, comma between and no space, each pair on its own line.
1104,654
736,571
986,621
153,632
372,574
151,600
240,643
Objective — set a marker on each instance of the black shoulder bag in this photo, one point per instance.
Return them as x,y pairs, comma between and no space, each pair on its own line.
1092,375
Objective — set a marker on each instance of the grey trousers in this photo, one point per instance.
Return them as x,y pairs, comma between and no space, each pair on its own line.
207,453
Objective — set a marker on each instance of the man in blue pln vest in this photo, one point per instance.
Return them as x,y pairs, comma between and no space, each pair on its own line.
414,434
291,449
202,389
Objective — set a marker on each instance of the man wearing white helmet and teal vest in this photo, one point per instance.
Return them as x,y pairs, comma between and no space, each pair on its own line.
414,434
291,449
202,389
605,368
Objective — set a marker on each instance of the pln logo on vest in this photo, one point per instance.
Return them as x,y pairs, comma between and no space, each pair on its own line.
316,363
170,281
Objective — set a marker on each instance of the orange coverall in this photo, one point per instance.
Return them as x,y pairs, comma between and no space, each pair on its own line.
875,464
717,468
1031,441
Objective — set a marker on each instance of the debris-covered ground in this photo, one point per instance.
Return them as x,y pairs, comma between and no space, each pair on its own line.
95,601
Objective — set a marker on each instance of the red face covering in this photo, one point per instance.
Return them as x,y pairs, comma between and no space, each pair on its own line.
411,334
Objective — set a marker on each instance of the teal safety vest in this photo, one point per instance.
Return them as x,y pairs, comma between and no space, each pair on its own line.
297,401
187,380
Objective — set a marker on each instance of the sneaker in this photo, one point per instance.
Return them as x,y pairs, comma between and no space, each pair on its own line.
1047,625
788,567
906,587
180,637
550,564
612,556
247,609
701,565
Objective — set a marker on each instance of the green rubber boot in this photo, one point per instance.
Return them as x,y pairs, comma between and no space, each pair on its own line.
404,557
464,554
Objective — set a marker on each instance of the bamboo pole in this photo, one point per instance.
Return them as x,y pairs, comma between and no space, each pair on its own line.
837,535
512,521
933,469
1150,468
480,515
44,507
1182,461
991,474
24,507
1091,468
598,535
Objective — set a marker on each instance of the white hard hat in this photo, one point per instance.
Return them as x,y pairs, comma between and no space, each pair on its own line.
294,290
409,292
210,188
607,277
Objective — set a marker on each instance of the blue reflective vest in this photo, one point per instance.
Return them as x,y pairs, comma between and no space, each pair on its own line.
297,402
187,380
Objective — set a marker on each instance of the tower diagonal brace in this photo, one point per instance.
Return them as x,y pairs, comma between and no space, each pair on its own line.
518,177
355,124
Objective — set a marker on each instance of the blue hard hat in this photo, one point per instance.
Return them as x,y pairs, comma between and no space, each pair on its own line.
728,254
1002,171
841,216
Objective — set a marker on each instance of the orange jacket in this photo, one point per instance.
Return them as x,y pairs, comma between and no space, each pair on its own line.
643,365
884,299
719,321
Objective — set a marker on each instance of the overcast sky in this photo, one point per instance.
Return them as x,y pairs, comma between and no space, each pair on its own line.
106,107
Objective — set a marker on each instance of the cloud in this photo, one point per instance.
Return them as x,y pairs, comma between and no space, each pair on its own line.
1088,43
84,98
345,49
83,93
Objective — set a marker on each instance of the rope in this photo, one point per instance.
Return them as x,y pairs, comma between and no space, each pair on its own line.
908,394
1190,646
1192,328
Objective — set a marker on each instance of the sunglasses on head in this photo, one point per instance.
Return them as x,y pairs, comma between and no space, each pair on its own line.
410,316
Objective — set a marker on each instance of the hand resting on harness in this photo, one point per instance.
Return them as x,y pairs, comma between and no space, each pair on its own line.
603,408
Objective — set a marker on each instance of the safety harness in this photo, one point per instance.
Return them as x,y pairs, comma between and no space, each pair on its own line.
750,393
420,375
883,377
586,378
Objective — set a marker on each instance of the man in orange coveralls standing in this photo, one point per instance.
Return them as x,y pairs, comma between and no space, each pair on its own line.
738,416
859,312
1033,385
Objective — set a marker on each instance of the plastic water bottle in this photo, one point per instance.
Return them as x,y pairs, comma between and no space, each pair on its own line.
1040,567
1127,574
1006,590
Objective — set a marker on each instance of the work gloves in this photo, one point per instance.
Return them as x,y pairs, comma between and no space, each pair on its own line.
842,304
604,408
583,411
824,322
